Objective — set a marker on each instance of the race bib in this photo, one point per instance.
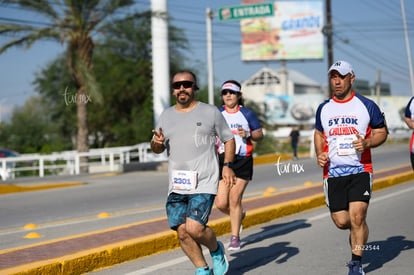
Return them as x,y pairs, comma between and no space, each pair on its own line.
184,180
344,145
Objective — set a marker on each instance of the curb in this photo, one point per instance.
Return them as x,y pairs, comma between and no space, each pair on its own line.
108,255
13,188
270,158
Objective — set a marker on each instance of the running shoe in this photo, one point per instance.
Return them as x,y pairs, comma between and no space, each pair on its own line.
220,263
355,268
234,243
203,271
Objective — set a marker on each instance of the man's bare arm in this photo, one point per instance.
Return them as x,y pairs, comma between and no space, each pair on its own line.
319,142
229,150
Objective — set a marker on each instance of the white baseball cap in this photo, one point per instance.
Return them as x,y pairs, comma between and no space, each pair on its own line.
230,86
341,67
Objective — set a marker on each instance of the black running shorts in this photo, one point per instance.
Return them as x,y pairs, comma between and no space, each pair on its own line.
242,167
340,191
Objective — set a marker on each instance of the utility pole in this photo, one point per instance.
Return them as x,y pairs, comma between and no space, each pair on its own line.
328,32
378,87
160,58
407,45
210,16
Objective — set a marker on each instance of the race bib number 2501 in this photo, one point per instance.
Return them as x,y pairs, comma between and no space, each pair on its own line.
184,180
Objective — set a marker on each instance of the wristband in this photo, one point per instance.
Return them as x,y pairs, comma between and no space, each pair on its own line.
228,164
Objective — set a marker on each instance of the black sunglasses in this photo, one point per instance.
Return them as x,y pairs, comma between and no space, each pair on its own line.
186,84
225,92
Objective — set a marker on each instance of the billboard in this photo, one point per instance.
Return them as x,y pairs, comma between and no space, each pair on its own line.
301,109
292,110
394,110
294,32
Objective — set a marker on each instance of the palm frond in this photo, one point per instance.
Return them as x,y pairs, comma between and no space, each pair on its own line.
14,28
41,6
30,36
91,85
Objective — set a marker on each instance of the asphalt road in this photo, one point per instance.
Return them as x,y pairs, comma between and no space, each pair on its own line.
308,243
106,202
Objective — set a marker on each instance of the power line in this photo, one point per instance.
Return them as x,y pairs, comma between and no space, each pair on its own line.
362,61
386,25
24,21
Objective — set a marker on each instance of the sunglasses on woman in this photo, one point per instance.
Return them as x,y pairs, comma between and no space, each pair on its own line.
225,92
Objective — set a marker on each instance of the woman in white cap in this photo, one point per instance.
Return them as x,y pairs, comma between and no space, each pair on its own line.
246,128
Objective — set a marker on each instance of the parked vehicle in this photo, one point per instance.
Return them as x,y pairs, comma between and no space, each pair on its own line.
6,170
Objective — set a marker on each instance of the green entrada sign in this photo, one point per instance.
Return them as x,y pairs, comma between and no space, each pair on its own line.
246,11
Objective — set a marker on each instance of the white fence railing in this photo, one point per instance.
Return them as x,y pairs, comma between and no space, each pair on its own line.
69,162
101,160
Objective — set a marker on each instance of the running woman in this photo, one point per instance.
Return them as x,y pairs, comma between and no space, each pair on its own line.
246,128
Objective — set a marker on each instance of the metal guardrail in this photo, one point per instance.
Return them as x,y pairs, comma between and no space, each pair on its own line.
69,162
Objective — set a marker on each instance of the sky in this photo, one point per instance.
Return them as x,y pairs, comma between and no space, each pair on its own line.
368,34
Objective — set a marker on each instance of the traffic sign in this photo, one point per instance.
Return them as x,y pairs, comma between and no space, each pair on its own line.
246,11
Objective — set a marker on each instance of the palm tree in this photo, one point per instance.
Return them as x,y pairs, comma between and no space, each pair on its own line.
72,22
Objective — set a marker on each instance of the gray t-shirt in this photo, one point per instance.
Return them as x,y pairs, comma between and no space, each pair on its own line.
190,140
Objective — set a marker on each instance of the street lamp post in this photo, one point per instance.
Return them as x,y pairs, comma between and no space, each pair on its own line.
407,45
210,16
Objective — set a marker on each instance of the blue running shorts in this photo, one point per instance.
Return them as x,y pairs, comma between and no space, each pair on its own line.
194,206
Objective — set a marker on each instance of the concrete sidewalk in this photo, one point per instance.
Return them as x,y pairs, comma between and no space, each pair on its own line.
83,253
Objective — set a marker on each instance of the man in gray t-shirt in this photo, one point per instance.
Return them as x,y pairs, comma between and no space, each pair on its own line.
188,132
192,144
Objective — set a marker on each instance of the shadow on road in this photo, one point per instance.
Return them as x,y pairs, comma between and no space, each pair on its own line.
379,253
249,259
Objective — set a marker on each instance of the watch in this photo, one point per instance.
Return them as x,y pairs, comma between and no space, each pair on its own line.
228,164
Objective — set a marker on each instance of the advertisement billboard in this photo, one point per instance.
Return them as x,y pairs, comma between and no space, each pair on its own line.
301,109
292,110
293,32
394,109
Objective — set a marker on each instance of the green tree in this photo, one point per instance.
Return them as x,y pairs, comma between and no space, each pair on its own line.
31,130
122,66
55,86
72,22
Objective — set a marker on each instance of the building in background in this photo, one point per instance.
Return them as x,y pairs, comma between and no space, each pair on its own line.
292,103
363,87
288,97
